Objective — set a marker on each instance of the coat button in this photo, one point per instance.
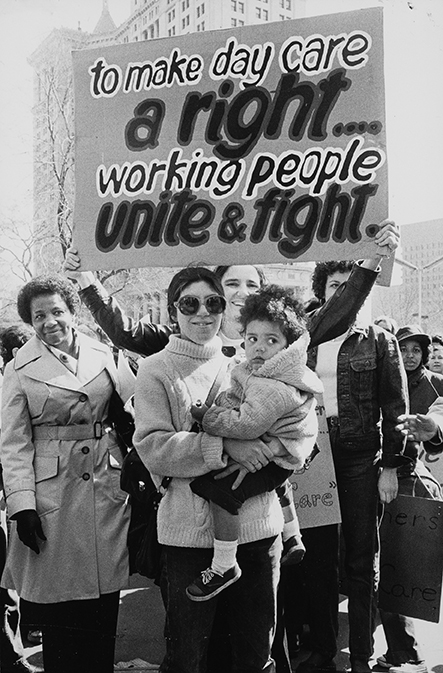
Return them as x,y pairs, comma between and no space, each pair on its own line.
86,476
83,397
85,449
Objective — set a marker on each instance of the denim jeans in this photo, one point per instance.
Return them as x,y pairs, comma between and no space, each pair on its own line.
357,474
400,638
308,594
247,608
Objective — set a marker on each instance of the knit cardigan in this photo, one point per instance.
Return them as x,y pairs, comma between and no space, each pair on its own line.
168,383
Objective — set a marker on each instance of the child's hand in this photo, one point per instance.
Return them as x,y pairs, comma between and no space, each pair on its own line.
198,410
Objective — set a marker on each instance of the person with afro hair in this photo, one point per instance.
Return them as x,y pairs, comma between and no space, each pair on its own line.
271,393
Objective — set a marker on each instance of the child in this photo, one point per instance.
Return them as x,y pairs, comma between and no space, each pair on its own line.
273,393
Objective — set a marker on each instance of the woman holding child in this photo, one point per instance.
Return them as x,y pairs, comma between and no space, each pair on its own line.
168,384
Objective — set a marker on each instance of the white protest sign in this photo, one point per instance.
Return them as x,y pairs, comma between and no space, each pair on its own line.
315,488
260,144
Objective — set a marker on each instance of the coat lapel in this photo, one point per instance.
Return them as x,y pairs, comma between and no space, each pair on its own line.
42,365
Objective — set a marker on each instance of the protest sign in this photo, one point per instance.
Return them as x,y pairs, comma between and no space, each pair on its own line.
259,144
315,488
411,557
434,463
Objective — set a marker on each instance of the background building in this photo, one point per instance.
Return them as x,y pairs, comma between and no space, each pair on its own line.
422,251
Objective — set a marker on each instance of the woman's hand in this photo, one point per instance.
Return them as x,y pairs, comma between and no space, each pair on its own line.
253,454
233,467
29,528
387,239
70,268
417,427
388,484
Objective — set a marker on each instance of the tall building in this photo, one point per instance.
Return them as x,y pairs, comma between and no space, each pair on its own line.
165,18
421,288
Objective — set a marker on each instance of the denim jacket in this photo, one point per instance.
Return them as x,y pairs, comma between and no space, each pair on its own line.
372,392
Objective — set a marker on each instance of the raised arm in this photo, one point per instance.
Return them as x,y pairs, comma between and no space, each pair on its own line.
337,315
139,336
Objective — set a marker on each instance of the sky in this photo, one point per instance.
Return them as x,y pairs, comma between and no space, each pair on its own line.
413,81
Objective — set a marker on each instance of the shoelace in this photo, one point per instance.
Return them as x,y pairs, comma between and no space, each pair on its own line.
207,575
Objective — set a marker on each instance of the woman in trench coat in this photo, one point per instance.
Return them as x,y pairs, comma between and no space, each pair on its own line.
67,557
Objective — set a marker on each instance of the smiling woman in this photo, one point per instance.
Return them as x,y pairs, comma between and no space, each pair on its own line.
52,321
168,384
238,282
61,473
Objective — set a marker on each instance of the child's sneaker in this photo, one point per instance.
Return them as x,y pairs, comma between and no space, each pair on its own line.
293,551
210,583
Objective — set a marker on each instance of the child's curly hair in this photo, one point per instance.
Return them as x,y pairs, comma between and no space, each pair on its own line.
275,304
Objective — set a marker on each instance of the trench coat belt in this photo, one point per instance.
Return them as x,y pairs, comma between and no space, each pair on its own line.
71,432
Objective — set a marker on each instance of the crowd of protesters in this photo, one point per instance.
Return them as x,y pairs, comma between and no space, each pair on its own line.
236,571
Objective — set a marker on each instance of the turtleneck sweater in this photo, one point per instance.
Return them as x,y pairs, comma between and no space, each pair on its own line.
168,383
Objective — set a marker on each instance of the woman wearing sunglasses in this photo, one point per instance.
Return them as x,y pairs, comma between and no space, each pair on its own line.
168,384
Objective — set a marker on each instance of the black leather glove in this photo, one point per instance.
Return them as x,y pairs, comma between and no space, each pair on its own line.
29,528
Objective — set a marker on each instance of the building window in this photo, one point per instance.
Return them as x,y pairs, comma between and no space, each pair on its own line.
185,22
265,14
240,23
241,7
171,15
135,27
185,5
201,26
171,31
258,12
234,5
288,4
145,35
201,10
233,22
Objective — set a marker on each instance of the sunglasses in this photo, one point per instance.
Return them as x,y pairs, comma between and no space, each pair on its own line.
190,305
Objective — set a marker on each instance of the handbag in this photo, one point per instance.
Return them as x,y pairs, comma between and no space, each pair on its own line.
143,545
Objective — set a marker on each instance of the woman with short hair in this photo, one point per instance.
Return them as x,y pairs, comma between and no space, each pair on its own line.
67,558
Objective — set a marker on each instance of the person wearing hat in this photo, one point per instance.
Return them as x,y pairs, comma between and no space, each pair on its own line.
404,653
424,386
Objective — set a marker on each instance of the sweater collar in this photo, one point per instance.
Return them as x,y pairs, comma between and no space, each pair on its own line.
191,349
